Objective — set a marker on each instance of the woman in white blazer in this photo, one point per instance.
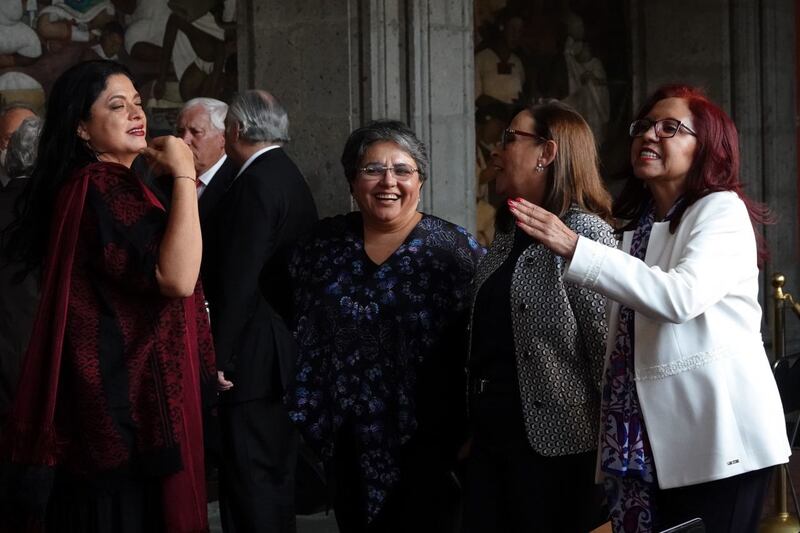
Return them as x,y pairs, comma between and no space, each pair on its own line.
691,420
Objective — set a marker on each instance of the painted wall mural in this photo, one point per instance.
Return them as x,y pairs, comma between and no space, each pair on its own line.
576,51
177,49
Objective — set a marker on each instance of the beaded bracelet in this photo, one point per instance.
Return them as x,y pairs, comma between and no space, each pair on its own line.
187,177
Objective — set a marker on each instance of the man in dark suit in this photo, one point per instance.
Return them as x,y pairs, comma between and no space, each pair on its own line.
11,117
268,207
19,298
201,125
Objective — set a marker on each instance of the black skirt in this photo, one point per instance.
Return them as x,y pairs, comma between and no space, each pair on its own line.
126,505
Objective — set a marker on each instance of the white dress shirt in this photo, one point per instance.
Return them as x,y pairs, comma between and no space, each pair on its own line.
254,157
205,178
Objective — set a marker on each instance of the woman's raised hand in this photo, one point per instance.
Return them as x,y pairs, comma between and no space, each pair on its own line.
171,156
544,226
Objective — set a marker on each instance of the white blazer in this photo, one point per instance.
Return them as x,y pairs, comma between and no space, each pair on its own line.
708,397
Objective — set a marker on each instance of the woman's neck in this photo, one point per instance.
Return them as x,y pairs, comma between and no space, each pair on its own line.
376,229
664,197
382,240
124,160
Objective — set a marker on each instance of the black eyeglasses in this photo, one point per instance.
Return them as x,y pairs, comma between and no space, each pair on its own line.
664,128
509,136
400,172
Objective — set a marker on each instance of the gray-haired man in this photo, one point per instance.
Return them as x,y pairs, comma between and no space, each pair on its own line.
201,125
18,298
11,116
268,207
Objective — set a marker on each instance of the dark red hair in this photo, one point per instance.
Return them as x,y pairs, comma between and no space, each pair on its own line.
715,166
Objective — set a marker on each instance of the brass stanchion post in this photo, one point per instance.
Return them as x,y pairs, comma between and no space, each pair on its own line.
782,521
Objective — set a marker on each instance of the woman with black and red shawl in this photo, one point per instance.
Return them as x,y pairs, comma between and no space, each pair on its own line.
106,432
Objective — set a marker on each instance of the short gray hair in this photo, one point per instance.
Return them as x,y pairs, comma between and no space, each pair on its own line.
23,147
11,106
260,117
216,110
383,131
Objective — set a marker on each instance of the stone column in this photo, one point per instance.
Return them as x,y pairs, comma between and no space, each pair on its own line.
740,51
307,54
778,162
336,64
441,103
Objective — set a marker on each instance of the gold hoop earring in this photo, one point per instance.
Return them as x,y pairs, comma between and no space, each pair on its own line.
90,148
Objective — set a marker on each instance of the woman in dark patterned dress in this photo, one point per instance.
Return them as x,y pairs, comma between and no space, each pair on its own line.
105,434
538,342
381,298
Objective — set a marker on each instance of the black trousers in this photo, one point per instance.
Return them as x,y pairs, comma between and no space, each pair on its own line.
730,505
256,473
510,488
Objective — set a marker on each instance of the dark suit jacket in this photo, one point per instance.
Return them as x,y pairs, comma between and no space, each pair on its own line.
207,204
162,185
250,236
219,185
18,304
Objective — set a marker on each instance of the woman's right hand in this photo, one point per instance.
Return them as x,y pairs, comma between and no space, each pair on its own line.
544,226
170,155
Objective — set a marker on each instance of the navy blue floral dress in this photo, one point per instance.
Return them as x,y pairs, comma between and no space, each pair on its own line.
377,342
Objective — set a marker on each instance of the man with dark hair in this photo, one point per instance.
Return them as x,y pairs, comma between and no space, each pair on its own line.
268,207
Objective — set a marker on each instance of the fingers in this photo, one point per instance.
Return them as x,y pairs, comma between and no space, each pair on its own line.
222,383
533,214
526,213
544,226
523,206
172,154
159,142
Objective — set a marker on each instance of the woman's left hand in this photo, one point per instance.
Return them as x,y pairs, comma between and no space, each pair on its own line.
170,154
544,226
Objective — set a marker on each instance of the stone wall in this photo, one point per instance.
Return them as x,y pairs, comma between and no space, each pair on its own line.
336,64
742,53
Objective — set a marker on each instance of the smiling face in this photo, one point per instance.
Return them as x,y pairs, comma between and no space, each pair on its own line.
516,163
206,142
665,162
386,201
117,123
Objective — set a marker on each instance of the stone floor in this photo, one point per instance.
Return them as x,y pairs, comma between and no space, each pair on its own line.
322,523
317,523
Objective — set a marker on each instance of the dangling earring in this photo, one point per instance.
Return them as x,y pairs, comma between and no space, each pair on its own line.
92,150
89,147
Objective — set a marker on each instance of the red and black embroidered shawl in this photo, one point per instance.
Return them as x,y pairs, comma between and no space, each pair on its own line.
113,375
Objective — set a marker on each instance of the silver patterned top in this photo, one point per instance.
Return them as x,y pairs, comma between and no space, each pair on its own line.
560,334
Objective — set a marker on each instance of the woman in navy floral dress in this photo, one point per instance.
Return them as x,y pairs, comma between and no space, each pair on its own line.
381,298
